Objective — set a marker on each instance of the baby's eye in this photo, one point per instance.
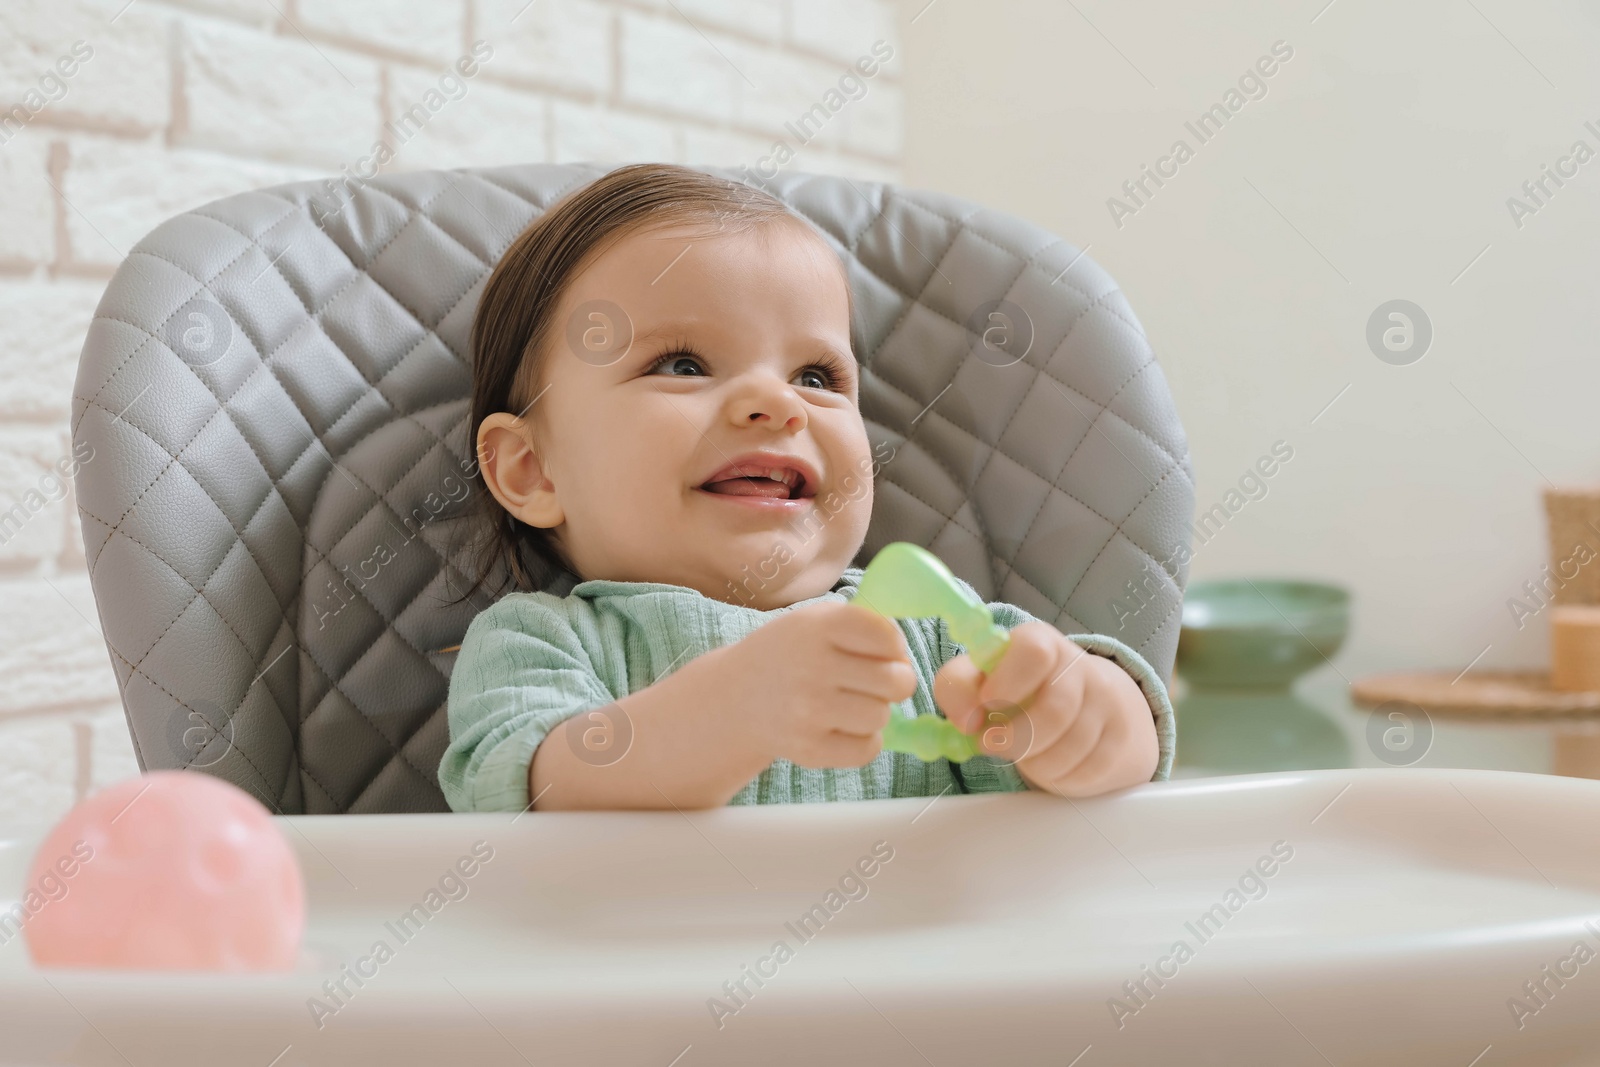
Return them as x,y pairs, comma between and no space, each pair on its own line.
678,364
815,378
829,373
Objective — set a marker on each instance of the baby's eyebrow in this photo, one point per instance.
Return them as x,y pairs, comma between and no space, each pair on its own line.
663,330
675,329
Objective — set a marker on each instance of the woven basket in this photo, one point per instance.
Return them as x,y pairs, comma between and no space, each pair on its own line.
1574,515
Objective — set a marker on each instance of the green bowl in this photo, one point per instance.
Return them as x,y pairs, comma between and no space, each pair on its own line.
1259,633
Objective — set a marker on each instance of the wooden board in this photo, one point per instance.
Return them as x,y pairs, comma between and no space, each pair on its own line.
1478,694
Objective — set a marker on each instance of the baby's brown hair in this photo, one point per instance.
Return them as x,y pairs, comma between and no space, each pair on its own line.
514,320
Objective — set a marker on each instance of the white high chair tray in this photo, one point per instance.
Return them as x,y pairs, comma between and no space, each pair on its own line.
1415,906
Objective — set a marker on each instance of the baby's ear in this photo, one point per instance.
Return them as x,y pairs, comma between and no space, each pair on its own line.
514,471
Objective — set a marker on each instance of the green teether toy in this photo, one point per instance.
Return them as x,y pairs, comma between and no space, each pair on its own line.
905,581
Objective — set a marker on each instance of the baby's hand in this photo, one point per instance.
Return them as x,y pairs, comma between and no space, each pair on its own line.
816,683
1086,727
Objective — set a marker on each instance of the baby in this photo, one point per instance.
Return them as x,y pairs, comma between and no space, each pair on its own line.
665,403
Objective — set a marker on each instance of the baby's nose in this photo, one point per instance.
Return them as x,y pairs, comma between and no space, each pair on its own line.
771,402
790,419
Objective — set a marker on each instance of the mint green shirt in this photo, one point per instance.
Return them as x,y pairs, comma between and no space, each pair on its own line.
532,660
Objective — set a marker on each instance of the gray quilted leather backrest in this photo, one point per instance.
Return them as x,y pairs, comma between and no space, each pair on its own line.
276,389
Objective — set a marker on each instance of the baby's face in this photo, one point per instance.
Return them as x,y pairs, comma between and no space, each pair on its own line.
740,367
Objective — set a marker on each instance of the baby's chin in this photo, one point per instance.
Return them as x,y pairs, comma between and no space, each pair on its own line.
776,576
749,589
761,569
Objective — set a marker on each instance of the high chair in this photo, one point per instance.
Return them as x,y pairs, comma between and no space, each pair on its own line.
275,389
277,384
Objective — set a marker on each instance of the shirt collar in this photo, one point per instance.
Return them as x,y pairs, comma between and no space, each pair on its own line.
603,587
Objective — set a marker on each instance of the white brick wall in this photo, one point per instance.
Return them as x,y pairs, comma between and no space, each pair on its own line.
185,101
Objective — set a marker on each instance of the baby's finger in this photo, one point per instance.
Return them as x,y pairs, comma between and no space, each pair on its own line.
856,714
881,679
1029,661
1103,770
861,631
955,690
1007,732
835,749
1059,764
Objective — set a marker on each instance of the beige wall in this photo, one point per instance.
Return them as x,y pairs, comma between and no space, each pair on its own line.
181,103
1377,166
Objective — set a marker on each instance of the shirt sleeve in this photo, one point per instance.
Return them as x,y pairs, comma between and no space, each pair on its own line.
521,672
984,774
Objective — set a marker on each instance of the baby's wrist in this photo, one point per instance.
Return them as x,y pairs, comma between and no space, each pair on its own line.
732,720
702,726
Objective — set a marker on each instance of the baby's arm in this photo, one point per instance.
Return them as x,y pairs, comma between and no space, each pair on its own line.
685,748
813,685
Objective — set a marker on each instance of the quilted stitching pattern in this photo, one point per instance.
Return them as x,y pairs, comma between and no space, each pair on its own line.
274,536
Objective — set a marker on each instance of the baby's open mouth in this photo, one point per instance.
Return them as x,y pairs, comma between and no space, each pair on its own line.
753,480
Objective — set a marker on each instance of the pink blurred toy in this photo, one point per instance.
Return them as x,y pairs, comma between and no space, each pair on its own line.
173,870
